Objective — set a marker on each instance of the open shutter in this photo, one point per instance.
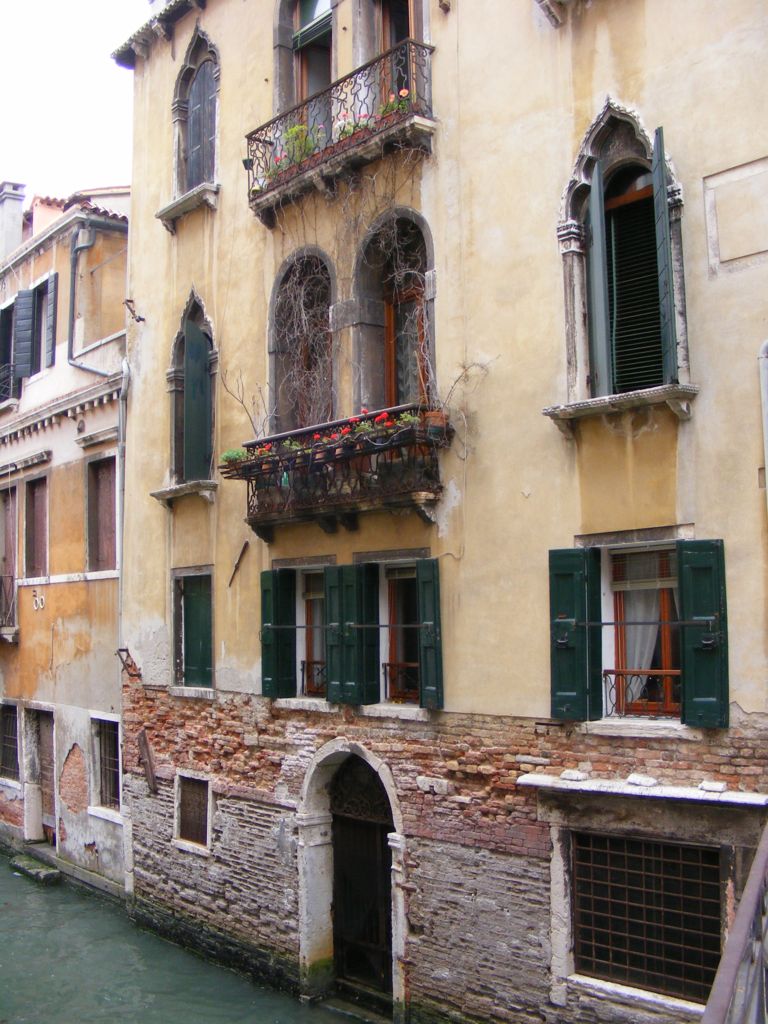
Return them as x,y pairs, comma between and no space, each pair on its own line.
704,648
198,631
664,260
197,405
576,649
430,643
50,320
600,370
278,640
23,323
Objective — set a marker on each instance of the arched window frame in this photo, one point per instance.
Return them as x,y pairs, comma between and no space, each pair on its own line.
616,138
287,90
372,318
199,52
183,469
279,421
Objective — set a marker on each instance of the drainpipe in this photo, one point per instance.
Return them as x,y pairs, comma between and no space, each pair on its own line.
763,364
122,419
75,248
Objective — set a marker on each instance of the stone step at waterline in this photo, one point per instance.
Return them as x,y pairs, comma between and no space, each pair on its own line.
354,1011
32,868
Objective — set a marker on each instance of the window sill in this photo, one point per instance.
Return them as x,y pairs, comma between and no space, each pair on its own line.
9,405
651,728
205,194
305,704
193,692
612,990
187,847
107,814
405,712
677,397
9,634
10,783
206,489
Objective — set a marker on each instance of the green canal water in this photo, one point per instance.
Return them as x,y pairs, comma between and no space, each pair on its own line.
70,957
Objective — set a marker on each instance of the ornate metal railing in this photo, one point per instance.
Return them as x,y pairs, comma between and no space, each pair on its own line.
8,382
652,692
739,990
365,104
7,600
342,467
401,679
313,678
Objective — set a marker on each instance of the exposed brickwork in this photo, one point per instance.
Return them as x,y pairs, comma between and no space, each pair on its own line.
73,782
11,808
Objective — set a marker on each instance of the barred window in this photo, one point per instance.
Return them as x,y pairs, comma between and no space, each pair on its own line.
9,752
109,764
647,913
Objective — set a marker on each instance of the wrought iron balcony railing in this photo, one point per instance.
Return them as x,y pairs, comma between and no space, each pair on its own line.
386,102
652,692
402,681
9,383
329,472
313,678
7,601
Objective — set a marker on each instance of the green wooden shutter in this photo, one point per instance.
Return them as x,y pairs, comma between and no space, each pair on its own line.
664,260
576,649
198,631
23,328
278,640
600,369
704,648
50,320
197,404
430,642
352,652
334,614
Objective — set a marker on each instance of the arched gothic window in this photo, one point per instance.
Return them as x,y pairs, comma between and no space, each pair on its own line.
191,386
302,365
194,109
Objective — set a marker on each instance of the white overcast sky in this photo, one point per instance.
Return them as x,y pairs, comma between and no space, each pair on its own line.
66,105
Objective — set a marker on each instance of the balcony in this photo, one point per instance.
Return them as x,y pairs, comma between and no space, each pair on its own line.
331,472
9,631
10,385
383,105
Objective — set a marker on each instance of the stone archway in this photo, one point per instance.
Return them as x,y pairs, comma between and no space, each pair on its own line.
316,870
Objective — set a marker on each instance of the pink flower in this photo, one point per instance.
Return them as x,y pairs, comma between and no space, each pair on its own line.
391,97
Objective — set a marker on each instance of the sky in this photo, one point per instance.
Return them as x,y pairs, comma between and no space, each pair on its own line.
66,111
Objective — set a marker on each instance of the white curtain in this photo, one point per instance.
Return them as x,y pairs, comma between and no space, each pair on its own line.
640,606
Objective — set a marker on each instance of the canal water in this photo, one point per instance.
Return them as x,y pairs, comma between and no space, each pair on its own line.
70,957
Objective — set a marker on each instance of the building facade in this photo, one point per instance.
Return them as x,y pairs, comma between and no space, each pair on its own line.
443,685
62,340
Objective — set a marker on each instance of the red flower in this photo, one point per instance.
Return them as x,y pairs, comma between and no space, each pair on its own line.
346,430
363,412
317,437
354,419
381,417
334,437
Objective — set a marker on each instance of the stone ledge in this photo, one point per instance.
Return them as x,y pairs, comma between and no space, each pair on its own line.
622,787
205,194
677,396
206,489
33,869
649,729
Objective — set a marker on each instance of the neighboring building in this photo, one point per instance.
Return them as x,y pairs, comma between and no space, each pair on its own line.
62,341
454,722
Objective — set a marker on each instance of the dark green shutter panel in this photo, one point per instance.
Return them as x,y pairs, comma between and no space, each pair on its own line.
664,261
352,652
600,369
334,614
201,126
704,648
576,649
278,633
197,405
198,631
315,30
369,672
50,321
23,324
430,643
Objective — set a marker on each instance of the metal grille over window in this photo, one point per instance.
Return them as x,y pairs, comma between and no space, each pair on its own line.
647,913
193,811
109,764
9,752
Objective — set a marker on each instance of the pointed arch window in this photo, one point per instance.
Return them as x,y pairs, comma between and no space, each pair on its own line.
195,115
302,359
191,385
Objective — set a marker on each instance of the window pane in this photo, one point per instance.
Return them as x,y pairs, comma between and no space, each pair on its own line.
193,811
311,9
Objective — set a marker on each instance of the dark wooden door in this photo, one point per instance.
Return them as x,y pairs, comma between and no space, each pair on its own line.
362,898
47,774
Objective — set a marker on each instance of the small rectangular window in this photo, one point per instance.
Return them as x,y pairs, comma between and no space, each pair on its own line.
9,737
101,515
193,626
193,811
108,740
647,913
36,528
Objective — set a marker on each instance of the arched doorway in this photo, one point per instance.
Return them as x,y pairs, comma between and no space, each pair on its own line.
362,868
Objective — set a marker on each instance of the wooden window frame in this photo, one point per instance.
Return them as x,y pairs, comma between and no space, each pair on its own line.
36,534
189,833
101,533
181,639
